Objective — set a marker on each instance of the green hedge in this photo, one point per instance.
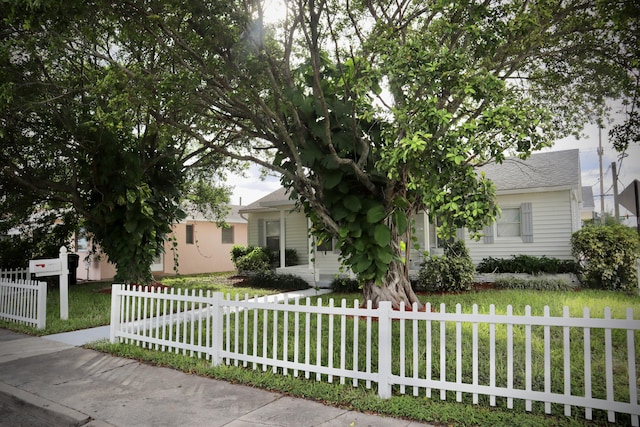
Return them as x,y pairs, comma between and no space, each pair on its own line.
271,280
527,264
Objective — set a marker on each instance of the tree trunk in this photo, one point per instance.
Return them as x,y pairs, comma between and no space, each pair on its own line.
396,288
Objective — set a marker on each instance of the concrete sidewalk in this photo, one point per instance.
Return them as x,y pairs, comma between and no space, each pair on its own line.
49,381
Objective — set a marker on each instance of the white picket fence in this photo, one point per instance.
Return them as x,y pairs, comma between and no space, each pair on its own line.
15,274
23,301
455,353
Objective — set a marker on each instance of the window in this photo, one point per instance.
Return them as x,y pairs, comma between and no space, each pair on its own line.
227,234
82,244
514,222
325,246
509,223
189,234
272,234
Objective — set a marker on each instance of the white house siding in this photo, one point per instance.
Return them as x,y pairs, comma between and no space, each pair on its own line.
553,224
296,238
295,231
254,224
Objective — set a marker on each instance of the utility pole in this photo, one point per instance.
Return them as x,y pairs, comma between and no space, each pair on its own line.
616,208
600,153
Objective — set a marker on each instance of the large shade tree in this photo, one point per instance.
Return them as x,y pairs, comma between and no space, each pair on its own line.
370,110
77,147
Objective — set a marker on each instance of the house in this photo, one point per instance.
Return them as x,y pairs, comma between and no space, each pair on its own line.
540,199
202,247
587,209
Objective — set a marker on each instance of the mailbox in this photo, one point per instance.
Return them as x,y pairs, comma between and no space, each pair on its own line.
45,267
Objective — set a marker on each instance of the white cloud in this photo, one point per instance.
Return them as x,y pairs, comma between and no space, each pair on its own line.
252,186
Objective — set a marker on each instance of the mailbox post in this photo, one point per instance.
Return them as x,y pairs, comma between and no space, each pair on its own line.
55,267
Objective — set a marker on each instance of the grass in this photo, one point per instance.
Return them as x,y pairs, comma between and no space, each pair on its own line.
90,305
420,408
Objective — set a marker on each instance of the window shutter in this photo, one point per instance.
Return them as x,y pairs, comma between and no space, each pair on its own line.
336,249
526,218
261,233
460,234
488,234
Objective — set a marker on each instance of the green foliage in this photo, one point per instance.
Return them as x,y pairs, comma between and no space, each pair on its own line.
451,272
370,111
527,264
238,251
256,260
344,285
271,280
607,256
538,284
290,257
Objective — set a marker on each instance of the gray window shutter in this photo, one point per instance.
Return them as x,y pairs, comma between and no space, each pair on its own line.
488,234
261,232
460,234
334,244
526,222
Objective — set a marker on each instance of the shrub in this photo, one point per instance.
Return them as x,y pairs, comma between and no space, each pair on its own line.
527,264
344,284
607,256
454,271
271,280
290,257
254,261
238,251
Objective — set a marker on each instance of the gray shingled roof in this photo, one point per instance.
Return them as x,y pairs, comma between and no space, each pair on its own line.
232,217
277,198
542,170
554,169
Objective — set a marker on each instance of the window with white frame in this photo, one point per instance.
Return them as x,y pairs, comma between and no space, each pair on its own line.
513,223
272,235
508,224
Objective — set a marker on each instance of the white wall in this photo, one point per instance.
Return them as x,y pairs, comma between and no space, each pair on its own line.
553,224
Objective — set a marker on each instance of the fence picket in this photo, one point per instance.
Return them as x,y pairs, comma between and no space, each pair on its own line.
567,361
474,356
547,360
631,361
416,348
588,413
443,353
403,346
608,365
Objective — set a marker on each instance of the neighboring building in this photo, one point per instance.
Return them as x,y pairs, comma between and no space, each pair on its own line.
202,247
540,200
588,207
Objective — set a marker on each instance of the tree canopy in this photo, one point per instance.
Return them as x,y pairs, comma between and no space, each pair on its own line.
370,111
74,136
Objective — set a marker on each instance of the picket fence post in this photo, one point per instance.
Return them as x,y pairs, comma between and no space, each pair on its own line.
217,329
42,305
64,284
116,301
384,349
